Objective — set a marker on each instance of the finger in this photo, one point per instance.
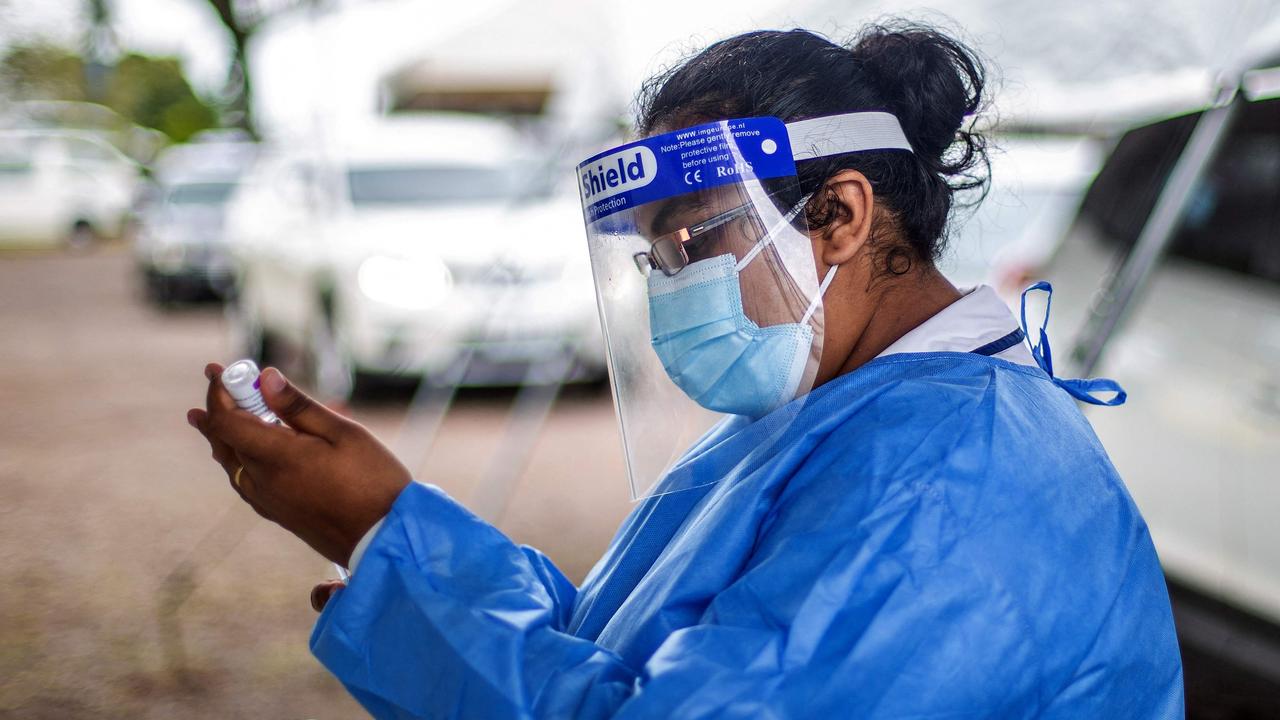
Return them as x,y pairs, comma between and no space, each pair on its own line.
212,370
299,410
196,418
227,458
239,429
249,436
321,593
222,453
217,399
244,488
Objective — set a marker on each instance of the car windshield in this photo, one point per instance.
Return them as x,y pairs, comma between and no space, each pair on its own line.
205,193
427,185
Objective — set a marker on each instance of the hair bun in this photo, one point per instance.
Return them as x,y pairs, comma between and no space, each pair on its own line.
932,81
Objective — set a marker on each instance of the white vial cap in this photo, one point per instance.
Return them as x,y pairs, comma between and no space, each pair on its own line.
240,378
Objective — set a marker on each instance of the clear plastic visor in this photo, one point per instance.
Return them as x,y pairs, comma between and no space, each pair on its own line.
709,303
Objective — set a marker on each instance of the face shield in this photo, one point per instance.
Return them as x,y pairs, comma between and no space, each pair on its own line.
707,282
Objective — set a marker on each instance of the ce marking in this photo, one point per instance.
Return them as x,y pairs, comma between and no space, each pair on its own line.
695,174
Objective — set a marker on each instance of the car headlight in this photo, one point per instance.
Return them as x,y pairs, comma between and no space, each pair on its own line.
417,284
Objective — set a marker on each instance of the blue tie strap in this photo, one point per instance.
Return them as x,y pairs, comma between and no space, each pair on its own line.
1080,389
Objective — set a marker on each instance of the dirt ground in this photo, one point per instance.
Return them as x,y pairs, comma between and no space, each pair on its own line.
136,584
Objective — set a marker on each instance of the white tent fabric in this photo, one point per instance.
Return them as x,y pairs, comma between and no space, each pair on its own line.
1088,63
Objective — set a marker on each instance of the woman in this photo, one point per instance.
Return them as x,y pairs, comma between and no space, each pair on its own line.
906,514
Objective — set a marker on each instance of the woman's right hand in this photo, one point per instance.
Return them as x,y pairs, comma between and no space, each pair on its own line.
323,477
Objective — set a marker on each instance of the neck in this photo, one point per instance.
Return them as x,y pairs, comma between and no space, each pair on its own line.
901,307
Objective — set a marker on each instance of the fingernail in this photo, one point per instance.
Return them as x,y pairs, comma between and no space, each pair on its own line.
272,380
191,420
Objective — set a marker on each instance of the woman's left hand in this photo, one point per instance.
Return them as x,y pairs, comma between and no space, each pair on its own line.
322,477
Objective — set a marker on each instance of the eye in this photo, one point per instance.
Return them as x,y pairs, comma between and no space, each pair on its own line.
716,241
699,244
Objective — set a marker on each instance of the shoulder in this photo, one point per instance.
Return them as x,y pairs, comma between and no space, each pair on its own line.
923,407
980,488
970,434
922,400
979,465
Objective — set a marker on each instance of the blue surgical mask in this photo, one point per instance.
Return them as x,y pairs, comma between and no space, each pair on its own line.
715,353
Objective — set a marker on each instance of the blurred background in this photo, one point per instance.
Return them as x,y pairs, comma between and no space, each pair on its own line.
376,196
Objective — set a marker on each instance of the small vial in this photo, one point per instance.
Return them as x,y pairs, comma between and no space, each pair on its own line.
240,378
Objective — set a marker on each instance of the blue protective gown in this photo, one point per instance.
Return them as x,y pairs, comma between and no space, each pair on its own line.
933,535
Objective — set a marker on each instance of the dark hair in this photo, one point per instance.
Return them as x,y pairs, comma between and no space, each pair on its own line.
930,81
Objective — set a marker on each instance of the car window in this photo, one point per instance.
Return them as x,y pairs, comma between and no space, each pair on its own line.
205,193
1233,218
427,184
13,167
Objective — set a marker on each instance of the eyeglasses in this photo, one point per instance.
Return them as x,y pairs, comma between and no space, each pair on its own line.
668,252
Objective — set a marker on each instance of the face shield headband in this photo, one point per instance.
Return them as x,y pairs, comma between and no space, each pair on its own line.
624,178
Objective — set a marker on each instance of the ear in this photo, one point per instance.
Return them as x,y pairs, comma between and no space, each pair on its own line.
850,226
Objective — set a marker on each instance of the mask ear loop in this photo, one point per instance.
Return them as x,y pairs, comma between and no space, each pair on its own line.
816,302
822,291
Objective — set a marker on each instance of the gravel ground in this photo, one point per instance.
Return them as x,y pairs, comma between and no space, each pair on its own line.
137,585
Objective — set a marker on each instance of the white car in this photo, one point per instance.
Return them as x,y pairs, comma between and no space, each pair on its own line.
61,188
178,243
414,248
1037,184
1198,442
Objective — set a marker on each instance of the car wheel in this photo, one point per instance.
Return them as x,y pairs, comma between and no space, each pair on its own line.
82,236
157,289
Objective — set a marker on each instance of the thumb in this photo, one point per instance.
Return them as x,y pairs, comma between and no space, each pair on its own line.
297,408
320,594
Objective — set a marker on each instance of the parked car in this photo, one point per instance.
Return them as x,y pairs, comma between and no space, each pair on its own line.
1198,441
413,248
61,188
178,244
1036,186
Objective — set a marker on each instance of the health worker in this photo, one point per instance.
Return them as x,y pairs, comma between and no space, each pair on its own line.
861,492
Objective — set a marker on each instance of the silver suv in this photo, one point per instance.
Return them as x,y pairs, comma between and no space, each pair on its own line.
1182,224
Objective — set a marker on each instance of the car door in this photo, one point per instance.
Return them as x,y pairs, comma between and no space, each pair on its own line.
24,208
279,278
1198,443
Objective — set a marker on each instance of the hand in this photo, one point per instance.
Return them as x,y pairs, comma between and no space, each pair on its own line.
323,478
321,593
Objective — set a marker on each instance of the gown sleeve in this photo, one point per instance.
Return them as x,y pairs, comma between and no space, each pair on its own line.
448,618
833,616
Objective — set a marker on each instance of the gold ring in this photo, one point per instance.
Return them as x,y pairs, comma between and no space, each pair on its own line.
235,478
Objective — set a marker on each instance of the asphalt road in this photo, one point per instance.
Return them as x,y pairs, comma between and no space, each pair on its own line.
136,584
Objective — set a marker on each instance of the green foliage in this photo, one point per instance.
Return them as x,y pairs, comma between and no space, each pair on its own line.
150,91
154,93
42,72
